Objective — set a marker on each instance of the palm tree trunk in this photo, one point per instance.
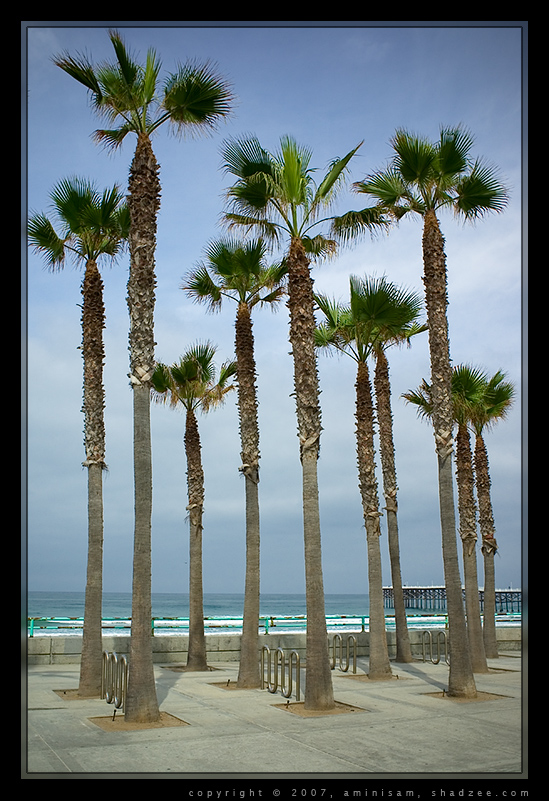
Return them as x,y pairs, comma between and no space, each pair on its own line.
461,680
93,353
141,701
468,534
379,664
143,202
387,453
318,680
249,675
196,657
92,650
489,546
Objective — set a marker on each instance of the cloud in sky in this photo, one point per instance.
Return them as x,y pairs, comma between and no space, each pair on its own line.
330,87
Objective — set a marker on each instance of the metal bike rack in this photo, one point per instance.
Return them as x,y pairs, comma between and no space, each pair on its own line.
114,679
337,649
280,676
427,636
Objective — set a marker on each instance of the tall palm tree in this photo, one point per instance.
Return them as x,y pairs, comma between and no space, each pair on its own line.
191,382
424,178
275,196
467,385
376,312
410,328
87,226
129,96
497,399
467,388
237,271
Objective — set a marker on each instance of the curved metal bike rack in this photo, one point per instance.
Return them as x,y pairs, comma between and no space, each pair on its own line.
282,677
337,650
439,635
114,679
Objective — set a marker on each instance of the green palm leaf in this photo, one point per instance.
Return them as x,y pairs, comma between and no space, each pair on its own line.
335,173
479,192
90,224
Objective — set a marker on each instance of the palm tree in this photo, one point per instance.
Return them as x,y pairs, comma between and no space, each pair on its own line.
275,195
88,226
382,387
191,383
467,384
494,404
425,177
467,388
128,95
376,312
237,271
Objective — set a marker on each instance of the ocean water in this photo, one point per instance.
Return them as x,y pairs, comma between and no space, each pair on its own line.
225,612
119,605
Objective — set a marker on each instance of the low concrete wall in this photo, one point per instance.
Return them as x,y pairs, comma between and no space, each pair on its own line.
44,650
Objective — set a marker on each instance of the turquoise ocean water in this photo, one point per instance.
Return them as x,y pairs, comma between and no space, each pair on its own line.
71,604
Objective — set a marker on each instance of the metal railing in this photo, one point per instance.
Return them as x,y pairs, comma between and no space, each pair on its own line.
437,636
337,651
114,679
282,677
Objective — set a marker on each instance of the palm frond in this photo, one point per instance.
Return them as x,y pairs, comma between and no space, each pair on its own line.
353,224
453,151
130,72
415,157
480,192
388,188
81,69
319,246
45,241
498,399
334,174
114,137
244,157
196,97
421,398
265,228
200,287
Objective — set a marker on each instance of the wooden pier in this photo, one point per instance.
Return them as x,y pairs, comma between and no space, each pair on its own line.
435,598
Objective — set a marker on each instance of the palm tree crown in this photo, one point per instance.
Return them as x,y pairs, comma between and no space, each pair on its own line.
378,314
191,381
276,194
128,93
236,270
496,401
87,224
425,176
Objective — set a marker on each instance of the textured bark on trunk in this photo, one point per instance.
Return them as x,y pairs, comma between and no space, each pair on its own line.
93,353
379,664
92,643
461,680
318,686
143,202
141,699
249,674
489,546
196,657
387,453
468,534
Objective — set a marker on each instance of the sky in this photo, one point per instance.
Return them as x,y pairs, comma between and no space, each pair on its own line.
331,86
